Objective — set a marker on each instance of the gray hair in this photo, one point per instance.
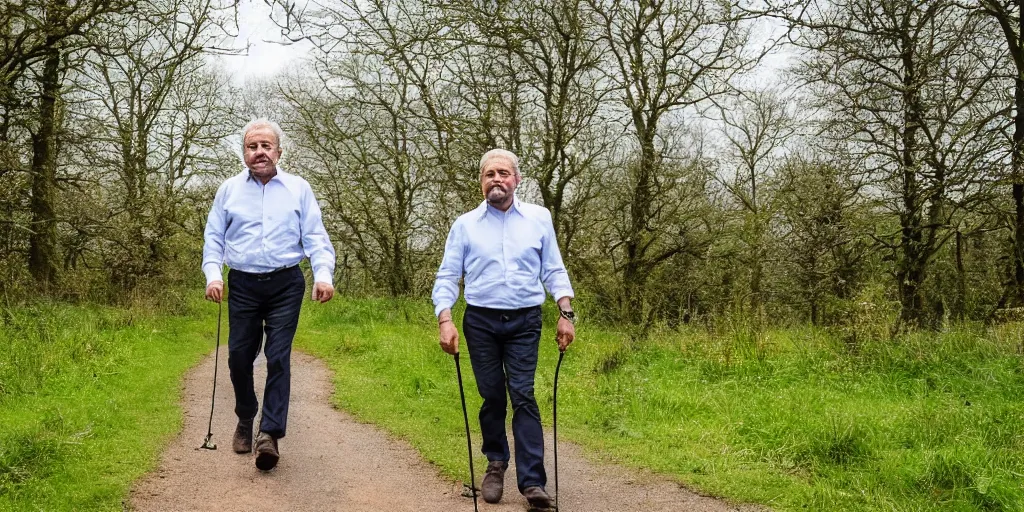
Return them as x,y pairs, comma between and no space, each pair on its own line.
260,123
500,153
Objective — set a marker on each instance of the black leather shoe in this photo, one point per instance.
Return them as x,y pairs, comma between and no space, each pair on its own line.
538,498
494,481
242,440
266,452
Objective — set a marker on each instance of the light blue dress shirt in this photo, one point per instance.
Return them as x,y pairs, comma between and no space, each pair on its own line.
507,258
259,228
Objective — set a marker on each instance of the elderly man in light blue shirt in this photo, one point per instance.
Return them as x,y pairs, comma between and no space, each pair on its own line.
508,254
263,222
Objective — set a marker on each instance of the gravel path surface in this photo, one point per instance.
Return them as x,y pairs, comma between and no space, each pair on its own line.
329,461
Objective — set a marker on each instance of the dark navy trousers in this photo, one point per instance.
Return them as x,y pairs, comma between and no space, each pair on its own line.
261,304
503,347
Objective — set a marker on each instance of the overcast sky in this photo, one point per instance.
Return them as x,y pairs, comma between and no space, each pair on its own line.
266,55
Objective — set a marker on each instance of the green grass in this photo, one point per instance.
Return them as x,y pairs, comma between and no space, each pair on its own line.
88,399
794,419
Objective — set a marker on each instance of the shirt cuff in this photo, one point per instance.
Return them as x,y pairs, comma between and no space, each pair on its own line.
441,307
323,276
213,273
559,294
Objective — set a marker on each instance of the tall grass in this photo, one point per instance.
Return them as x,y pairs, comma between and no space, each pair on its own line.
796,419
88,397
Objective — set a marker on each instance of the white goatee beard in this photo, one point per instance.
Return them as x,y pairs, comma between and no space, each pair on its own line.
496,195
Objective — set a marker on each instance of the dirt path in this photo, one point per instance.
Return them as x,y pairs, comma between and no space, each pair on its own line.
331,462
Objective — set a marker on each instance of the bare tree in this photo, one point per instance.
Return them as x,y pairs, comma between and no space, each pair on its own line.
756,127
1009,16
36,37
32,29
907,95
151,105
43,255
664,56
551,50
382,137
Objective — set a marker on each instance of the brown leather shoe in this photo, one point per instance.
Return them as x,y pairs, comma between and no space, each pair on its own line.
494,481
538,498
266,452
242,441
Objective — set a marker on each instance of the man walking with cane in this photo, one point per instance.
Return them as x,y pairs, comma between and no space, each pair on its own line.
262,223
507,251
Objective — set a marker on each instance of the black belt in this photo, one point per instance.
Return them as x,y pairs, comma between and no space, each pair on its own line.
495,311
502,314
263,276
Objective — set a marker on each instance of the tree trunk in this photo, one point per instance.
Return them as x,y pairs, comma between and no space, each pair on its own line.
400,283
911,270
756,278
634,274
43,255
1017,161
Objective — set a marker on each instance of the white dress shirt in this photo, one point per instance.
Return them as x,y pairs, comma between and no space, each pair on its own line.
507,258
259,228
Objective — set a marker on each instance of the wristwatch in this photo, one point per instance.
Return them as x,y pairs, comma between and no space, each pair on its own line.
569,315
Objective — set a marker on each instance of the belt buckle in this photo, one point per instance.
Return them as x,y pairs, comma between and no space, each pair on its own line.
267,275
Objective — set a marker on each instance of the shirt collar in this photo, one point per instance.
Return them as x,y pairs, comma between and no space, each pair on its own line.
248,174
484,207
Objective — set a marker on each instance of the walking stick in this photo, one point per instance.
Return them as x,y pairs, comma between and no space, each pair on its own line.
207,444
469,443
554,421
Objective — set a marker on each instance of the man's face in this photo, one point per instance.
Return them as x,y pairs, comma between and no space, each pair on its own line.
498,181
261,150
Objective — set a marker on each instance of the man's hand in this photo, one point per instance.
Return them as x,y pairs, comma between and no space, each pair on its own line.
449,335
322,292
215,291
566,333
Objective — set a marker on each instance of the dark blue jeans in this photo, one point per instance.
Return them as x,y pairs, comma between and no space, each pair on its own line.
503,348
261,304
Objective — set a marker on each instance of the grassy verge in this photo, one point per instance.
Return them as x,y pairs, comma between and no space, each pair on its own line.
796,419
88,398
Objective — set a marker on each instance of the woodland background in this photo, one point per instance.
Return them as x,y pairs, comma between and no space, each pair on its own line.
876,178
